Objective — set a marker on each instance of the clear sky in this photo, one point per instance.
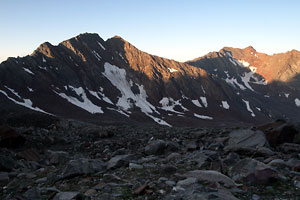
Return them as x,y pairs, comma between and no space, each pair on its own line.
175,29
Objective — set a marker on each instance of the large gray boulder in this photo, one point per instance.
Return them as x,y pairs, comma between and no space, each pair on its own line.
66,195
156,147
118,161
211,176
253,171
246,139
82,166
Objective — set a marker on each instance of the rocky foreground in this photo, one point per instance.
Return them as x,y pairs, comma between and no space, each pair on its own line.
68,159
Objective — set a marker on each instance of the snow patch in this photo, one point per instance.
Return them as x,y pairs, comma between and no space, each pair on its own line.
96,55
44,68
246,79
101,45
85,104
197,103
235,83
202,116
257,108
203,89
172,70
225,105
204,101
253,69
244,63
248,108
44,60
121,56
228,54
30,89
233,61
28,71
287,95
120,111
297,102
117,77
103,97
26,102
168,104
14,92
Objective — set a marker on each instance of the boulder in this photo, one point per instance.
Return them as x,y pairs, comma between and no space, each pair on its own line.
278,163
66,195
187,182
118,161
156,147
253,171
58,157
82,166
4,178
246,139
167,170
290,147
7,164
33,194
29,155
294,164
211,176
96,132
279,132
9,138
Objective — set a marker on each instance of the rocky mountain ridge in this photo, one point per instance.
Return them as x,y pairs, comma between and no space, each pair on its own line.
91,79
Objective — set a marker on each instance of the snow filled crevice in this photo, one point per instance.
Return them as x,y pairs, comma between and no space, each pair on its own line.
85,103
96,55
101,45
128,99
25,102
249,108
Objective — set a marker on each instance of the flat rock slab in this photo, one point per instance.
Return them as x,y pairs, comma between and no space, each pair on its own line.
211,176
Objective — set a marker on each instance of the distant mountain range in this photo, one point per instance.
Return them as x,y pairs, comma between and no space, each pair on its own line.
112,81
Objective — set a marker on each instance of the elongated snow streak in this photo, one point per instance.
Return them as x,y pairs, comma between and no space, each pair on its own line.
248,108
26,102
202,116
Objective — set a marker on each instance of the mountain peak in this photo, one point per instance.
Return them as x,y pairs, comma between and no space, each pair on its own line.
45,48
250,48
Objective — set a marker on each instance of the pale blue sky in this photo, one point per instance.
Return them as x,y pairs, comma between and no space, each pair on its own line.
175,29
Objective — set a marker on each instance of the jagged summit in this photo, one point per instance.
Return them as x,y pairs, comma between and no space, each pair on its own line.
45,48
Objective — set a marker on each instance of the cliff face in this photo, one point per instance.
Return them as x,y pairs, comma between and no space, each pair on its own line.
88,78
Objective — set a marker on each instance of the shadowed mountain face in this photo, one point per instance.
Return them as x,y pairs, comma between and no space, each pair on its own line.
111,81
